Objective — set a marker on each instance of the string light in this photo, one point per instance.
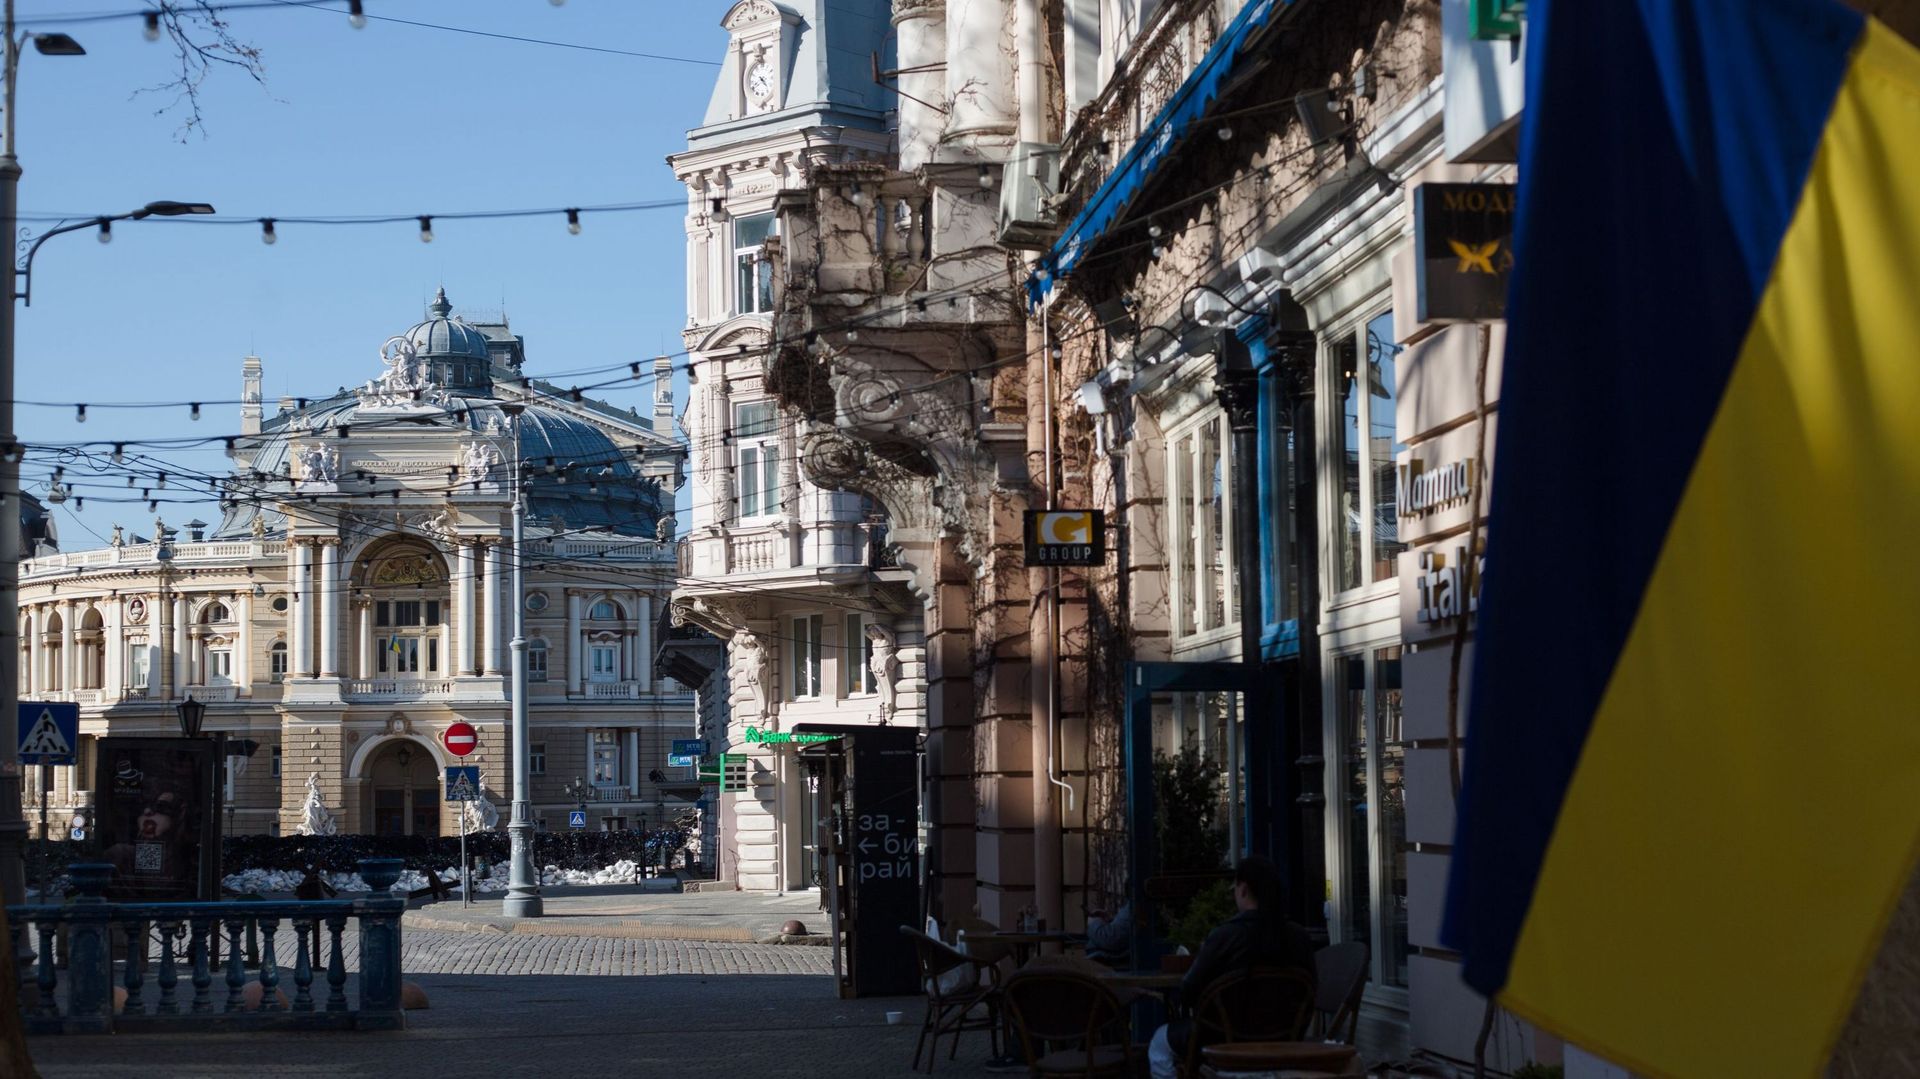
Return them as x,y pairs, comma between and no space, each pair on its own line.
573,222
193,410
356,15
267,235
79,413
1225,133
106,232
162,484
426,229
986,176
152,32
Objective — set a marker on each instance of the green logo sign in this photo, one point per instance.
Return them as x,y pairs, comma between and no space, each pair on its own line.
756,736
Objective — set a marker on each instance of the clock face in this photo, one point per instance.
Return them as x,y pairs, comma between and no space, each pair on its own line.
760,81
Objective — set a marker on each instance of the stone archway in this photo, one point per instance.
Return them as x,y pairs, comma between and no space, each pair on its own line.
400,788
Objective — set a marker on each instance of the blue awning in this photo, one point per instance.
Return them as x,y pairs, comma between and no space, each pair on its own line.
1183,110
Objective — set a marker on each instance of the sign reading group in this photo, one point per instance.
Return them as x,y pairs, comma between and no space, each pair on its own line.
1066,537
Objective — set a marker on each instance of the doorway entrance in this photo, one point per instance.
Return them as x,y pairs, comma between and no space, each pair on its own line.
403,790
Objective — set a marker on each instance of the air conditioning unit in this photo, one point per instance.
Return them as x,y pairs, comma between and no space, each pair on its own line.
1029,196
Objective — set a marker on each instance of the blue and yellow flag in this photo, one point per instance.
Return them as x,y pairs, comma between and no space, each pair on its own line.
1692,785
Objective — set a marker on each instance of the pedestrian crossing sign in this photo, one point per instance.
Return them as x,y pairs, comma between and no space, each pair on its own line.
576,818
48,732
463,783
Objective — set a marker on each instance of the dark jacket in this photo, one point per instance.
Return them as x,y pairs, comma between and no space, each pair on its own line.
1246,940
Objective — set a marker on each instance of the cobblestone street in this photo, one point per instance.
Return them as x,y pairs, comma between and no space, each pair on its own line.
536,1005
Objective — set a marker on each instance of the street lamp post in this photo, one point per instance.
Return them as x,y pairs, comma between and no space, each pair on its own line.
13,826
523,888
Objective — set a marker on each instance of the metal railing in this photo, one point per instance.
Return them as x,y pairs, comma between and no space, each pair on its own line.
399,688
181,942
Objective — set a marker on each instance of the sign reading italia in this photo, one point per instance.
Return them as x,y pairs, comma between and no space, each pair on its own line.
1066,537
1463,234
461,739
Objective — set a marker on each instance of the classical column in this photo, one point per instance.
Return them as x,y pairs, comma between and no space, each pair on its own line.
495,586
69,662
243,643
632,737
573,643
300,659
329,596
196,661
643,661
36,649
114,645
178,646
363,643
463,609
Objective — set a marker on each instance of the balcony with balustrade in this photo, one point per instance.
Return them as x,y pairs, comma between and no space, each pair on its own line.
780,555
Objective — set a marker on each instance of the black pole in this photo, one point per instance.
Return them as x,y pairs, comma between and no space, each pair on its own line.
1306,836
1260,718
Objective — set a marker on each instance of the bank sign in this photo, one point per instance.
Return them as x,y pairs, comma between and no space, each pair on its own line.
1066,537
1464,236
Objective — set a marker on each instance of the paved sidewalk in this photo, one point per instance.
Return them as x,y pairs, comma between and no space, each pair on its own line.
737,917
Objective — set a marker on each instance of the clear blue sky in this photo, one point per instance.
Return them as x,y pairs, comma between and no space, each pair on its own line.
391,118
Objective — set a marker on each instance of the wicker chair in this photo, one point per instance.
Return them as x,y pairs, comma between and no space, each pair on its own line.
1264,1004
969,1006
1342,978
1058,1007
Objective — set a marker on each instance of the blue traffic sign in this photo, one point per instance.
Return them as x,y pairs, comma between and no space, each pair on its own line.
689,747
576,818
463,783
48,732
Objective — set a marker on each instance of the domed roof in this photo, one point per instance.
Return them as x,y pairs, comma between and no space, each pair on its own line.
444,334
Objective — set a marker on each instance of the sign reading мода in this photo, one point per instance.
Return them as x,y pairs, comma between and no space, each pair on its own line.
1463,234
1066,537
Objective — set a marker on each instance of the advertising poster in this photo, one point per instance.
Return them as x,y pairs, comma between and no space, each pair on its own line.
157,817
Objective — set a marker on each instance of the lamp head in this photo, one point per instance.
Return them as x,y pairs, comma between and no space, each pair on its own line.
169,208
57,45
192,714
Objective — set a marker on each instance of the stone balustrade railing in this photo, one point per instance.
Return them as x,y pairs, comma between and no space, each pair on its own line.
181,943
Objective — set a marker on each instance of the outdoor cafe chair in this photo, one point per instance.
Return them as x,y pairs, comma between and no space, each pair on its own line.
972,1004
1069,1023
1261,1004
1341,971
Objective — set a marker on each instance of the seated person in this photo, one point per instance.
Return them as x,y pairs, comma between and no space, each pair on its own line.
1259,935
1110,936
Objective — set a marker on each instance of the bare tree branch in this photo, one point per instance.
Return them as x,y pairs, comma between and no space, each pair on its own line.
202,42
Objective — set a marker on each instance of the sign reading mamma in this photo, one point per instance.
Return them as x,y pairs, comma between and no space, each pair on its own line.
1421,489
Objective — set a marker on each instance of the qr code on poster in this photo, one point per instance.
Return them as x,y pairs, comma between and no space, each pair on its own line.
146,857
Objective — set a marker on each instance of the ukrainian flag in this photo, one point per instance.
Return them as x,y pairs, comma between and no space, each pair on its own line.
1692,779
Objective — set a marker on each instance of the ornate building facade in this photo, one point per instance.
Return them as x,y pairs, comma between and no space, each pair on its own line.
795,578
355,599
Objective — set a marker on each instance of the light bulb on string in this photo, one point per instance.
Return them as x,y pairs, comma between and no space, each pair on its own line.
986,176
106,232
152,31
267,235
426,229
356,15
573,222
79,413
193,410
162,484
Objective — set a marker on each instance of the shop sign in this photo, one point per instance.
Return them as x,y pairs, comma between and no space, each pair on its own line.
1420,489
1444,586
1066,537
1497,20
756,736
1463,234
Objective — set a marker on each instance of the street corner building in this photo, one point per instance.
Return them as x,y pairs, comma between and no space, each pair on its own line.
354,600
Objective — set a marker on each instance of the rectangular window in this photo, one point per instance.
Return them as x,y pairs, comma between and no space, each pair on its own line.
141,661
1392,855
537,758
1356,867
219,667
276,762
605,663
605,748
857,656
1212,514
805,649
383,613
1371,770
433,612
433,654
1367,537
536,664
1183,528
753,274
277,663
406,612
757,456
1200,523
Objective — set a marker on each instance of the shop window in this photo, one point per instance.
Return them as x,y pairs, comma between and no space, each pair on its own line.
753,274
757,458
1199,468
1372,853
804,646
1367,532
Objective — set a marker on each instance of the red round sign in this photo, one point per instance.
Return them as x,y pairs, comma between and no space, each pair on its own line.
461,739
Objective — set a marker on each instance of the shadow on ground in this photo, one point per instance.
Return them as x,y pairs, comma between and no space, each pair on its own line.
550,1025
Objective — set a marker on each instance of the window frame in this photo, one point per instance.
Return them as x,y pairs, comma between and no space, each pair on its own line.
756,458
536,758
1370,474
1383,935
595,651
751,257
807,657
605,745
856,657
1202,566
277,662
537,659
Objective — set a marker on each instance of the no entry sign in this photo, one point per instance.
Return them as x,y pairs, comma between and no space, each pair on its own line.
461,739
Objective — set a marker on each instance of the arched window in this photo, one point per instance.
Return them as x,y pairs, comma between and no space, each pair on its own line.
605,611
277,661
215,612
537,659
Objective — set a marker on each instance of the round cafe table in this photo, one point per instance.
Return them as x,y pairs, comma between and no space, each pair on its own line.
1309,1058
